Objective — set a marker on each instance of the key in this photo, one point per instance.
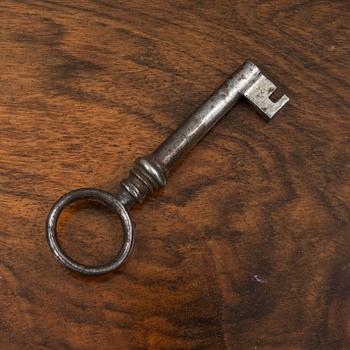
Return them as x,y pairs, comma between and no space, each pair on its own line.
150,172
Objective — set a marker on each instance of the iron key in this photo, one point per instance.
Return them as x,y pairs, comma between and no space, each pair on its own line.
150,172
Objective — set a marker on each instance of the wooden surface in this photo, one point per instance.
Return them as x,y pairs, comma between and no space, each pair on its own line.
248,245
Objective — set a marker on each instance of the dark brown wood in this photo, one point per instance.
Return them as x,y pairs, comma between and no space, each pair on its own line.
247,247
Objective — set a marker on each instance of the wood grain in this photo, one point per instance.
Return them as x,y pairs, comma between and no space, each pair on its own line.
248,245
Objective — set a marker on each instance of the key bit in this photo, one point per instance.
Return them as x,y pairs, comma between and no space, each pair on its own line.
259,92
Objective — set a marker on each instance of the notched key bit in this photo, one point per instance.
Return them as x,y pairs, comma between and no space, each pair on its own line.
259,92
150,172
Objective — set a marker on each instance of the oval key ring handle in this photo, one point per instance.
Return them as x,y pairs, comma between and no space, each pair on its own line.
102,197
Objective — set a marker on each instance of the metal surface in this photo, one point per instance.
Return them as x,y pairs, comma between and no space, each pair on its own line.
150,172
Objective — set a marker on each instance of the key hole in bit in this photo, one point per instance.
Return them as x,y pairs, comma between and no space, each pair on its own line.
276,95
90,232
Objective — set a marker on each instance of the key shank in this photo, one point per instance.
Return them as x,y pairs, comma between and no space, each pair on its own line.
150,172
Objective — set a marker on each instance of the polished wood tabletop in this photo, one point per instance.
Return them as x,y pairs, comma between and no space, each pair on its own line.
248,245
